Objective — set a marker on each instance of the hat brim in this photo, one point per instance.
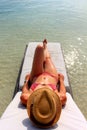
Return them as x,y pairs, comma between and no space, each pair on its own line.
58,108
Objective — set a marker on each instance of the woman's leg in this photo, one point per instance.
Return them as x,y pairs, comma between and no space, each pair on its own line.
42,62
37,66
49,66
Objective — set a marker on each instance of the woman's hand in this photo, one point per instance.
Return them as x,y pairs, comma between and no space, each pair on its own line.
61,77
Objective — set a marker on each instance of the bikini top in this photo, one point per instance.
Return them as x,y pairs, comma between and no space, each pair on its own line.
34,85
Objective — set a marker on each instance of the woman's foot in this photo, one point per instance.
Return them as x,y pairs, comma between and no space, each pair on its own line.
46,53
44,43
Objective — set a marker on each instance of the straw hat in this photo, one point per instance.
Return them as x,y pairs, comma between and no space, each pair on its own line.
44,107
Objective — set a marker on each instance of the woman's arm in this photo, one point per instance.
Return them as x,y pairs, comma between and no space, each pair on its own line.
26,87
62,90
25,91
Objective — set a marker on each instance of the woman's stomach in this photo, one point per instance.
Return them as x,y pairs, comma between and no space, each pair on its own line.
45,79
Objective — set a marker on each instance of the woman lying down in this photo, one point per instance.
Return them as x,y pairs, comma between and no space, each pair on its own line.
40,93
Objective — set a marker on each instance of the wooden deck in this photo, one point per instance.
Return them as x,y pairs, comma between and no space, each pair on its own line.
55,50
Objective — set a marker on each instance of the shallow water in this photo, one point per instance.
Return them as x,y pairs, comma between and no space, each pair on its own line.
33,20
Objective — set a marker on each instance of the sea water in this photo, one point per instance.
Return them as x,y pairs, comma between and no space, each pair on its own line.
23,21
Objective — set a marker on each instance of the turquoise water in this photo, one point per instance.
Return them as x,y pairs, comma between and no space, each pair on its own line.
23,21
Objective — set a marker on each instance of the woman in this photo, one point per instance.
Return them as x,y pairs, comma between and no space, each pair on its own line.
43,73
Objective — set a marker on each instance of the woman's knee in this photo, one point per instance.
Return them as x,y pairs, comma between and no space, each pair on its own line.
39,48
39,52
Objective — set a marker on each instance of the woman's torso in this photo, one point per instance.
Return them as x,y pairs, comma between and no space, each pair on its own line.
46,78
